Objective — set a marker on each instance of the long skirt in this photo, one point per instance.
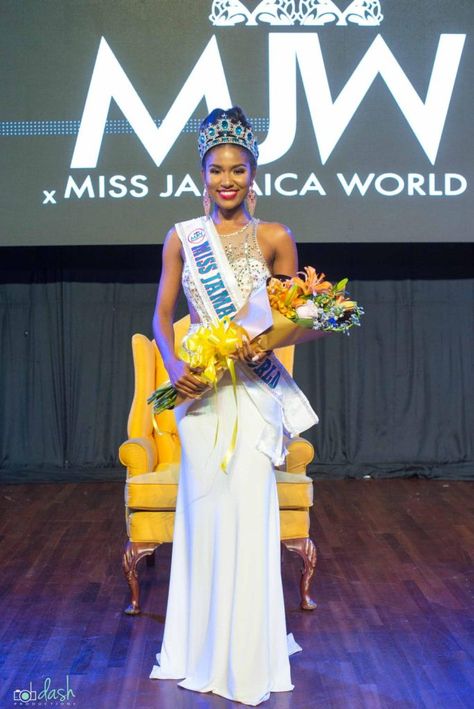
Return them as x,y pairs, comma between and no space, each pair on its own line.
225,628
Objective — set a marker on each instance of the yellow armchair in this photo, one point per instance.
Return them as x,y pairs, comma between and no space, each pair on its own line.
153,461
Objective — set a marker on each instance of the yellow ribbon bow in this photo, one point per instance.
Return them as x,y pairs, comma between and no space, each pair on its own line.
210,349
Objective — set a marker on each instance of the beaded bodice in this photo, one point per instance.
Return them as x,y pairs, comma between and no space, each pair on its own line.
246,260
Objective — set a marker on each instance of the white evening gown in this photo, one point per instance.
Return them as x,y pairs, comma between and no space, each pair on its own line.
225,629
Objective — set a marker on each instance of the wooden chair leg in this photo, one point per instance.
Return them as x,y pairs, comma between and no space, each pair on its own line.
134,551
307,551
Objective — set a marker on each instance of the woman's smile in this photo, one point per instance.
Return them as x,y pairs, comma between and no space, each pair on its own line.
228,194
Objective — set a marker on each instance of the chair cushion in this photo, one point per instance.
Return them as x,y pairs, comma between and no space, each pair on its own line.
158,490
153,491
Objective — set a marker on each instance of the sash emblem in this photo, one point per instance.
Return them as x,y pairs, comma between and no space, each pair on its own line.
196,237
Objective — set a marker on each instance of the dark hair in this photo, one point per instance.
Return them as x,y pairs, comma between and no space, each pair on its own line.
235,114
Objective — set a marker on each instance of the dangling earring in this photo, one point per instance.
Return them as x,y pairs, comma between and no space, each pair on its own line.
251,201
206,202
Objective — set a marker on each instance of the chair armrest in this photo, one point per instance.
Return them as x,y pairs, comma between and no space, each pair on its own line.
300,455
138,455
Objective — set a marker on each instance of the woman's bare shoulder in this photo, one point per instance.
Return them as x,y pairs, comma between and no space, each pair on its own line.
172,244
171,235
172,239
275,231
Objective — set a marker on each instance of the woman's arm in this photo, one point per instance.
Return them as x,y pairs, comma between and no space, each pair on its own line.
279,248
179,372
285,255
166,299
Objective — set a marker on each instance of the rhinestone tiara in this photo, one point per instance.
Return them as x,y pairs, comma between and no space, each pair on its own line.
227,130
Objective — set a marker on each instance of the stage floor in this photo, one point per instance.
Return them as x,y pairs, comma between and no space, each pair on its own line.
393,628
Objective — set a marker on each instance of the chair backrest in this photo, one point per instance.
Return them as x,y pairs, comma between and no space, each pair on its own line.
150,373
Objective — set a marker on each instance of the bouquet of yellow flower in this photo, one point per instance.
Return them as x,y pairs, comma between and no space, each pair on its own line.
305,307
210,349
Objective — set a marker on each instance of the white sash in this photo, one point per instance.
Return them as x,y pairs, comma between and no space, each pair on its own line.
221,295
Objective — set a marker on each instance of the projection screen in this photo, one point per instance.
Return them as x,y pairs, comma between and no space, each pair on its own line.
363,111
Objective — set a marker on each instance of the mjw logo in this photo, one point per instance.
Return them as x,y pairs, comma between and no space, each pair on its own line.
288,53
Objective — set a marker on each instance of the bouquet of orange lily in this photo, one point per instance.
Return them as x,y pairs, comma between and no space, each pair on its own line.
306,306
289,311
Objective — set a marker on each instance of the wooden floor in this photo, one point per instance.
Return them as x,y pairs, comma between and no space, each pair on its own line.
393,628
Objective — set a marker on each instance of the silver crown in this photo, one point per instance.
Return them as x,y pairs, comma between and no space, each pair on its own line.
365,13
227,130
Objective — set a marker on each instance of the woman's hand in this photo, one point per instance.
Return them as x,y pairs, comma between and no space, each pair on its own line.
250,353
185,379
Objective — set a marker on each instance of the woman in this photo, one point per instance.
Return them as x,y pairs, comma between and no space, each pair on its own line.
225,623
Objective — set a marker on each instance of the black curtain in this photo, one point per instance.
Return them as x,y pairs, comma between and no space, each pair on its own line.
394,397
